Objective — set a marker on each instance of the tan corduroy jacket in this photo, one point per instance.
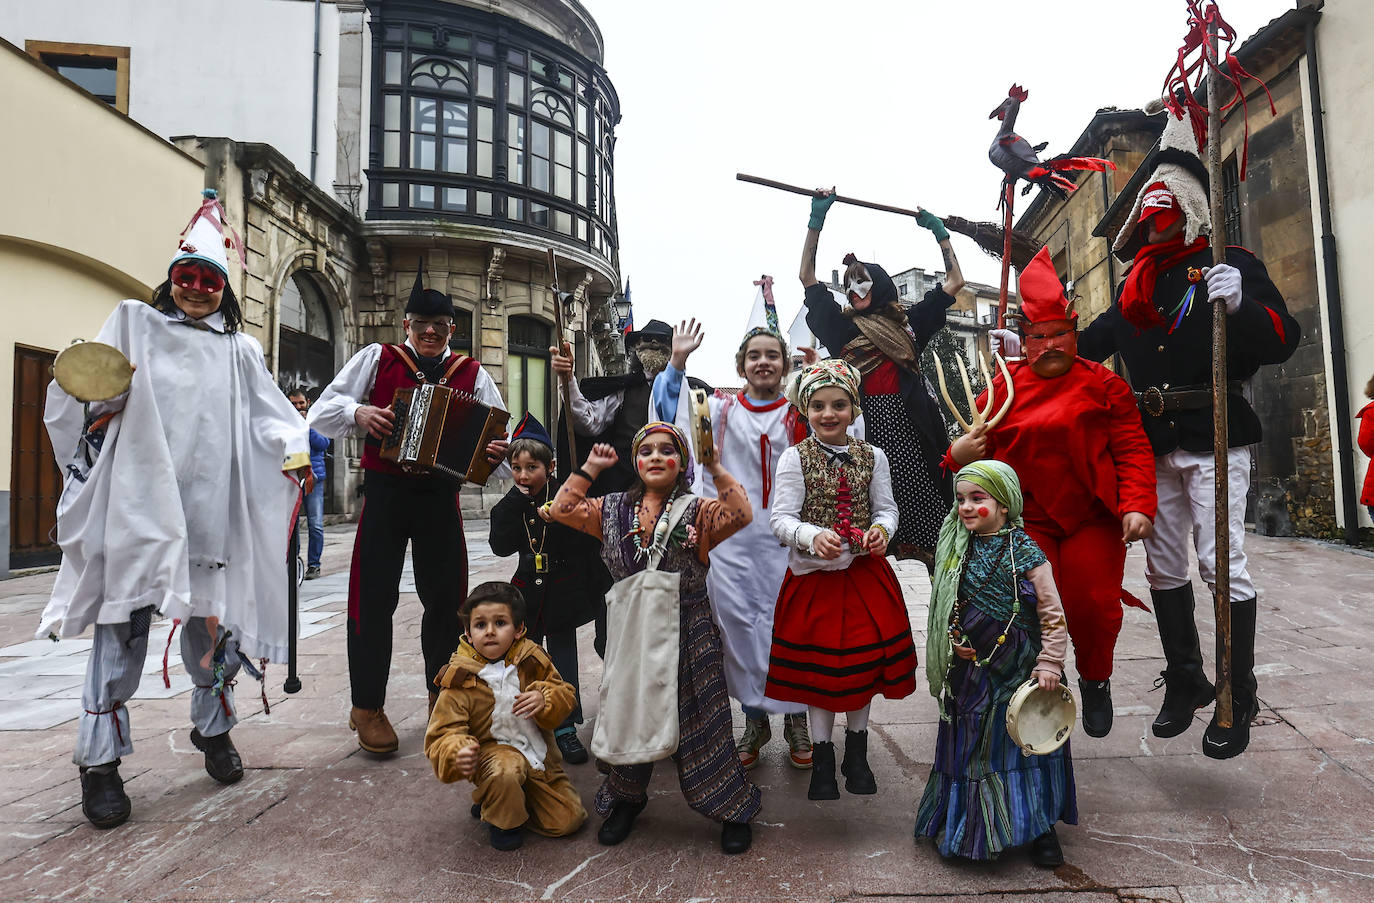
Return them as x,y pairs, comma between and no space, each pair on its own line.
462,715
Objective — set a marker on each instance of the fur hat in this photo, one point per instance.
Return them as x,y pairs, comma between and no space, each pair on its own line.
1179,167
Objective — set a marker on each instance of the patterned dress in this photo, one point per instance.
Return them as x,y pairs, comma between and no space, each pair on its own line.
983,794
709,770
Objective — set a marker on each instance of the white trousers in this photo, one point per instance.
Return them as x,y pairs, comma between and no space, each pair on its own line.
1186,484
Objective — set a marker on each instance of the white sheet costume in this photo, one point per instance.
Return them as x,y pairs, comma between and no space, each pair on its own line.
185,509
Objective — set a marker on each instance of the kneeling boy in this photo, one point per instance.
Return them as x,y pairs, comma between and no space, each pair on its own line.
500,699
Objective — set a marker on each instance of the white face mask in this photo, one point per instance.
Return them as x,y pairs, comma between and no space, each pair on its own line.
859,290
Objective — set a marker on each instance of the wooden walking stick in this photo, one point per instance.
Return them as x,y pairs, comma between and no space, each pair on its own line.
993,239
564,382
1008,198
1220,444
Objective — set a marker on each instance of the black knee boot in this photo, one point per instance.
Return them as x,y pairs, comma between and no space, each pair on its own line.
823,785
1186,687
858,777
1225,743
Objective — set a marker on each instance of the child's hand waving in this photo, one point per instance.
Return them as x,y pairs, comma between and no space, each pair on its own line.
528,704
827,545
601,456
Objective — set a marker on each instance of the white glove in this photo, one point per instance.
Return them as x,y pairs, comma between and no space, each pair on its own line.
1005,342
1223,281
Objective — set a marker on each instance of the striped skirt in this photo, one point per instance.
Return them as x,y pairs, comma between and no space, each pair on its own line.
983,795
841,637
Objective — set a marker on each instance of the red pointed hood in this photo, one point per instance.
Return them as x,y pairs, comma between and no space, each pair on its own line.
1042,295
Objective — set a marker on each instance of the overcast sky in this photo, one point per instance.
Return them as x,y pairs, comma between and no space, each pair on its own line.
889,101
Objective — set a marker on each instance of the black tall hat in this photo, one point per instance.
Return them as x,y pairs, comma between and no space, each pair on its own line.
427,302
654,329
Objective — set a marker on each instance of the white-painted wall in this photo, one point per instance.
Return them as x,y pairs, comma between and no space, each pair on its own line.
240,69
1345,35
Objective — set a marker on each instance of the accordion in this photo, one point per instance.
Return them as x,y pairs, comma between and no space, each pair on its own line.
443,430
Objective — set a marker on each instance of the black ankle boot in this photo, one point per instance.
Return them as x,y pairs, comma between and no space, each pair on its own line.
222,760
617,825
1045,850
103,800
823,785
1226,743
1186,687
1095,698
858,777
735,837
505,839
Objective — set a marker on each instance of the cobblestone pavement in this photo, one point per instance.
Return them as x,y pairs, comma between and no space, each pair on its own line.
317,819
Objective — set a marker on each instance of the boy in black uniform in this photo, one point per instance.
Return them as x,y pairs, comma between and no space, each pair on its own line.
560,574
1161,325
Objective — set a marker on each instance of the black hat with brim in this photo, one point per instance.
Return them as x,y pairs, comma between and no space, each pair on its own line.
427,302
654,329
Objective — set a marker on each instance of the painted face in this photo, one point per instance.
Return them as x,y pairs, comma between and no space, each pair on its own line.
492,630
197,288
300,403
657,461
429,334
763,366
978,510
529,473
830,412
1051,347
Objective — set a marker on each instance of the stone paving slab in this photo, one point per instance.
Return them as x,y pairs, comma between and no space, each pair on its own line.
317,819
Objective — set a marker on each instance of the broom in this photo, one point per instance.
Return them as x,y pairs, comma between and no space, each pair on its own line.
988,236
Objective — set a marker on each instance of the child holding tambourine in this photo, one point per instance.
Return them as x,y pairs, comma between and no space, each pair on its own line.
995,621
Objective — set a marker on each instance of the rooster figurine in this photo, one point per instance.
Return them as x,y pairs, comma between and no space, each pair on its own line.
1014,155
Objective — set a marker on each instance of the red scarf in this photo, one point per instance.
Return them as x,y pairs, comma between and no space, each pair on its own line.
1138,291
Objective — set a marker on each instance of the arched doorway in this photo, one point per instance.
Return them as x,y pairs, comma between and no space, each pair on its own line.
305,351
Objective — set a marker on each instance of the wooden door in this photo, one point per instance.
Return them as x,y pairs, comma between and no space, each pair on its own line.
35,481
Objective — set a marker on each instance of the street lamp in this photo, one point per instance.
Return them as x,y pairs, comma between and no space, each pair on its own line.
623,309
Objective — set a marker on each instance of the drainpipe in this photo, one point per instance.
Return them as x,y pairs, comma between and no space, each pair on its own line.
315,98
1111,263
1344,449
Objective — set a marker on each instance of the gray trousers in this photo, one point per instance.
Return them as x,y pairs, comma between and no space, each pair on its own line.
112,676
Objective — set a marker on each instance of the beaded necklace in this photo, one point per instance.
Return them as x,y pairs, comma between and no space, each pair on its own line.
956,630
660,537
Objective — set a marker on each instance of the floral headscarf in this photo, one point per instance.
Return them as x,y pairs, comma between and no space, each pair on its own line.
679,442
1001,482
821,375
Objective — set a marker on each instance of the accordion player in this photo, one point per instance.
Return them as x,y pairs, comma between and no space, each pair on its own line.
444,430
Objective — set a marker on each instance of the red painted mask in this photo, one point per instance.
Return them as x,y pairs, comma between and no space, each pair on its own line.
198,277
1050,345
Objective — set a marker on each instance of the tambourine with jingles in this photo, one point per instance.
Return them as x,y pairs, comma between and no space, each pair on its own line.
92,371
702,435
1040,721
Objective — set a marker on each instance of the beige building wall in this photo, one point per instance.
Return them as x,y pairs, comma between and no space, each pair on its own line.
1346,69
92,207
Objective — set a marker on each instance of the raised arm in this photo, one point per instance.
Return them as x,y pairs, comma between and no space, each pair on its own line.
954,276
726,514
820,205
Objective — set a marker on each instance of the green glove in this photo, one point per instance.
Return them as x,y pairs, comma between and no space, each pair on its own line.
927,220
819,207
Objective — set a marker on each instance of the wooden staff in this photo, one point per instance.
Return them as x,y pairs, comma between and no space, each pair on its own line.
1220,444
564,381
993,239
1008,199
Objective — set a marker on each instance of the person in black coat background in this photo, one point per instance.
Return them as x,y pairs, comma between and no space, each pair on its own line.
560,572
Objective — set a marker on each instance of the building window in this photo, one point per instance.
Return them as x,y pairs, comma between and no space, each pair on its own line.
1230,202
527,368
461,340
98,68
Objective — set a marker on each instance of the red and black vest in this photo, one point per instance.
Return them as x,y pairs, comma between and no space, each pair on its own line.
397,370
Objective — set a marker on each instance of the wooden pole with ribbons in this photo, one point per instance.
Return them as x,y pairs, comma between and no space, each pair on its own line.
1220,444
564,382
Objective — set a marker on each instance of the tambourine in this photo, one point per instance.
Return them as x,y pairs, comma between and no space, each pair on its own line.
1040,721
702,435
92,371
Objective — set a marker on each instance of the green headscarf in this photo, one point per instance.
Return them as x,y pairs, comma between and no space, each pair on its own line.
1000,481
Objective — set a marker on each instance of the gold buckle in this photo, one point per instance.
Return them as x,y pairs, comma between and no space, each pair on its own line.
1152,401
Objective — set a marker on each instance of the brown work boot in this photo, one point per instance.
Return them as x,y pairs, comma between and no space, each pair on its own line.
375,733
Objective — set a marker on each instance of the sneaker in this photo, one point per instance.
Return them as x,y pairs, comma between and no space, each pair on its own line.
757,732
312,573
1095,706
103,800
574,753
798,737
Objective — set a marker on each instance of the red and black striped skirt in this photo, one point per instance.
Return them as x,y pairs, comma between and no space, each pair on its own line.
841,637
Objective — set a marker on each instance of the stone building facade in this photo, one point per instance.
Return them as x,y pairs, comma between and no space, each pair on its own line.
1271,214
